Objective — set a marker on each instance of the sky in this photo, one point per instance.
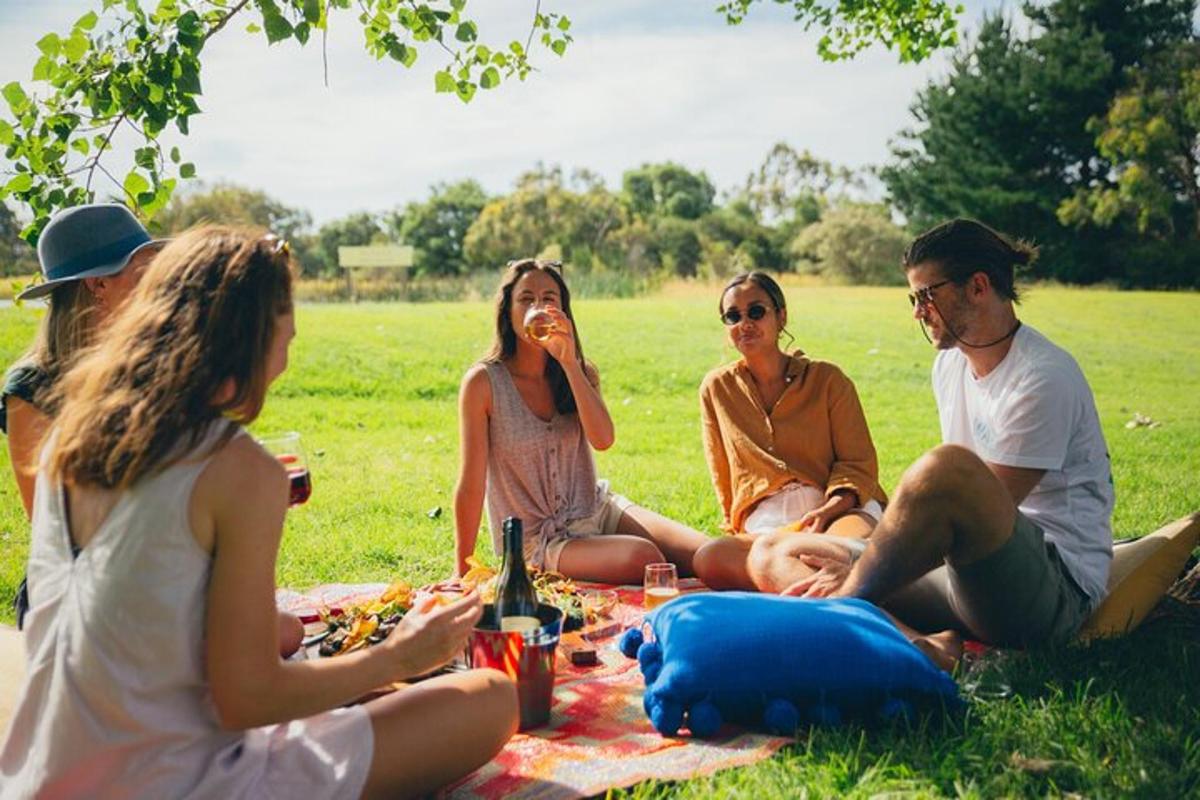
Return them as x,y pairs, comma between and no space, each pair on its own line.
644,81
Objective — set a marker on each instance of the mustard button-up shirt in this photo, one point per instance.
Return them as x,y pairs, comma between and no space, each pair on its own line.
816,434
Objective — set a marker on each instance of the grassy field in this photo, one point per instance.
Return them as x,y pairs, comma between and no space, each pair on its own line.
372,389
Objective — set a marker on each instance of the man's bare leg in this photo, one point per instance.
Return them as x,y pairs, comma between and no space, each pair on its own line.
949,507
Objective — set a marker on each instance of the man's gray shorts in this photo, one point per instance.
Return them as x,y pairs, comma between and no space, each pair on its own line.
1019,595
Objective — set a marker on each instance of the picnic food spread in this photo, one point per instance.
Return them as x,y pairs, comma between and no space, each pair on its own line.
365,623
369,622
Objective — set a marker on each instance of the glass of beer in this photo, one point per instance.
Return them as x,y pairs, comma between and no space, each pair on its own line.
286,448
660,585
538,323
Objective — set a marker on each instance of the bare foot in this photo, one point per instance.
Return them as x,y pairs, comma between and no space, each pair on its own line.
944,649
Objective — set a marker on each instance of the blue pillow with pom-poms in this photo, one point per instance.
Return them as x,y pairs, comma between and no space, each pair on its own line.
779,662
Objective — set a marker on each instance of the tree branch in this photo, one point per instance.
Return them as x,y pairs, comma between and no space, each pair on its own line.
100,151
221,22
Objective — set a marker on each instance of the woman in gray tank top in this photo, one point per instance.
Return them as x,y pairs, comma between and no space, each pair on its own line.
529,415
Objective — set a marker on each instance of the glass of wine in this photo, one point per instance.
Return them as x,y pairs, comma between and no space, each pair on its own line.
286,448
661,584
538,323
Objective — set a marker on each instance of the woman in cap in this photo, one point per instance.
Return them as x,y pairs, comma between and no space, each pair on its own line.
151,670
91,258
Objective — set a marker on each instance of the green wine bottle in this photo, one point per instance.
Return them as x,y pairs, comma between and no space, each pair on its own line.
516,600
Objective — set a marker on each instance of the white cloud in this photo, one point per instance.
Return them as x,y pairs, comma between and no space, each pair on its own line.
642,82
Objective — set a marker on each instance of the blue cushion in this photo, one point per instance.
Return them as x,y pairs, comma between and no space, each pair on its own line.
779,662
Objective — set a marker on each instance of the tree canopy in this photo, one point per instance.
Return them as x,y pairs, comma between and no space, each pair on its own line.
124,68
1082,136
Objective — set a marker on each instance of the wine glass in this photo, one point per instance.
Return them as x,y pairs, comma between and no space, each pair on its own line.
287,449
661,583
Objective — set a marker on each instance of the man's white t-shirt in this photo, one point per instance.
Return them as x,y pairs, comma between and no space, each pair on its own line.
1036,410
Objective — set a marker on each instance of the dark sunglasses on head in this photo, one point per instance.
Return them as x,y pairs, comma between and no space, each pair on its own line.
924,295
754,313
557,266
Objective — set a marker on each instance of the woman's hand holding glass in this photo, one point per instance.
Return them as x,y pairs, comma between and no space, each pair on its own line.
432,634
560,341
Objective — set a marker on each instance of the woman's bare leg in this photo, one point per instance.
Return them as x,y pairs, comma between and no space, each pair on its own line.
439,730
721,563
677,541
855,525
608,559
773,562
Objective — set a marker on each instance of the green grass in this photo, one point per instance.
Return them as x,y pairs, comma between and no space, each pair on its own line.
372,388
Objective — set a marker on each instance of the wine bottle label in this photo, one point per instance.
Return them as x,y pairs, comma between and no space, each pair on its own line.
519,624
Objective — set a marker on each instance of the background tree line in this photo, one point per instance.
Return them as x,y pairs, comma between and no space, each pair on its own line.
1080,133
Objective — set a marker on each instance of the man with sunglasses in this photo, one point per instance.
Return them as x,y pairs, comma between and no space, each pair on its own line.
1004,532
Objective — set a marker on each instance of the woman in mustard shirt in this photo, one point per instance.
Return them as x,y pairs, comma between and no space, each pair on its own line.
786,442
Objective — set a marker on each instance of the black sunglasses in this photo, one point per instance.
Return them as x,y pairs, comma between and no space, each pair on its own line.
754,313
924,295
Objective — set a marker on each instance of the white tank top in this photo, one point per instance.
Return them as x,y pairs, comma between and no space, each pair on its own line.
115,702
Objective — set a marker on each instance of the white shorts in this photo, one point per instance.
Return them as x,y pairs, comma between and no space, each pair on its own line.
791,503
603,522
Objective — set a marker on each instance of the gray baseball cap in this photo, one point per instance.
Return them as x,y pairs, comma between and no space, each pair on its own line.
88,241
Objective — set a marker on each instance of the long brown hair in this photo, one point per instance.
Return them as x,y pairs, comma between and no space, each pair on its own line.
65,331
201,318
505,343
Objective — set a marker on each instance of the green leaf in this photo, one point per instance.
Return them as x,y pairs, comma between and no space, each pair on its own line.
301,32
312,11
564,24
490,78
135,184
87,21
559,46
174,155
466,32
43,70
465,90
6,133
277,27
443,81
145,157
16,97
81,146
20,183
253,28
49,45
75,47
187,170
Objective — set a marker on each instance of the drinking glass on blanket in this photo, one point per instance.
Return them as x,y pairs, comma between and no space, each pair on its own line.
661,584
286,448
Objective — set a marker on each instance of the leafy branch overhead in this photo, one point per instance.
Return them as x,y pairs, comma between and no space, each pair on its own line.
125,70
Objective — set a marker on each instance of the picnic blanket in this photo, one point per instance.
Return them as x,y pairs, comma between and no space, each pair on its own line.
598,737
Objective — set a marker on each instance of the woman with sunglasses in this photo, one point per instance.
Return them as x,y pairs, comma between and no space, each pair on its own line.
786,442
530,414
